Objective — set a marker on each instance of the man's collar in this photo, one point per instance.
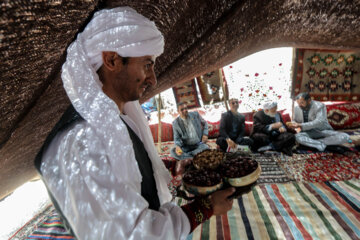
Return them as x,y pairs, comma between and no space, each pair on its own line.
184,119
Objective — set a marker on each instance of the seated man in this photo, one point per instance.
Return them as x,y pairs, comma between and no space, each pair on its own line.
190,134
232,128
315,130
269,131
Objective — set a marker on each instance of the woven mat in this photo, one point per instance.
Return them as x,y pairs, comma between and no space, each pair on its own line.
290,211
51,228
29,227
328,75
187,93
320,167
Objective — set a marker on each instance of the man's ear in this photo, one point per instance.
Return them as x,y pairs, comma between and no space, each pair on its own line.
111,61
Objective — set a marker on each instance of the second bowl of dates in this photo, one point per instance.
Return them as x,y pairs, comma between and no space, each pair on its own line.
240,171
202,181
208,159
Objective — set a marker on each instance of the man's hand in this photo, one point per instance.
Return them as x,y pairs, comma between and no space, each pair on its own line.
220,202
282,130
231,143
204,138
276,125
178,150
181,165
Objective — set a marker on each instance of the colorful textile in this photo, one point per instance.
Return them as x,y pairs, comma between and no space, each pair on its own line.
328,210
29,227
214,129
210,85
271,172
328,75
343,116
320,167
166,132
51,228
186,92
198,211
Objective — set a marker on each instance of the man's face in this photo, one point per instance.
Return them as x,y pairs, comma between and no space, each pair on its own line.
271,112
136,76
183,110
234,104
303,103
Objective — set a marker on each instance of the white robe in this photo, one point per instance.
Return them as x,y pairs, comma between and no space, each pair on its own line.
100,194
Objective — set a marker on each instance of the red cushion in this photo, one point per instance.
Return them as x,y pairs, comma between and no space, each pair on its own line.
286,117
343,116
166,132
248,128
214,128
249,116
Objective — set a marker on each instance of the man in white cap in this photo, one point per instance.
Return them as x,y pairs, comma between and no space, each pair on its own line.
315,130
270,132
99,163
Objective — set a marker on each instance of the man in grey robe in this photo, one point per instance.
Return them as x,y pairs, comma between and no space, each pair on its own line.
190,134
315,131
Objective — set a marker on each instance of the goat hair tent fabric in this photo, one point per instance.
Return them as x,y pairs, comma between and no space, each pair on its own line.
328,75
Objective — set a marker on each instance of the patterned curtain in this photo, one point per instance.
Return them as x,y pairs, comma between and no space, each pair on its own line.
186,92
328,75
210,85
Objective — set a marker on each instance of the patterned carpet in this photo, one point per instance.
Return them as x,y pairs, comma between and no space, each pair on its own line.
320,167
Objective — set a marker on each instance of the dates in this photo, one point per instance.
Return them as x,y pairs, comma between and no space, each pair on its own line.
235,167
202,177
208,159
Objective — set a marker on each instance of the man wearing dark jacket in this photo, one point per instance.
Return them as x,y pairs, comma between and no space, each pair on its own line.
269,131
232,128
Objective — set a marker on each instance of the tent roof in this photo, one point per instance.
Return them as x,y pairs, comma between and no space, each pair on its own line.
200,36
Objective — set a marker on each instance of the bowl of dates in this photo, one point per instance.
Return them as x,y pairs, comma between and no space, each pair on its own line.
240,171
208,159
202,181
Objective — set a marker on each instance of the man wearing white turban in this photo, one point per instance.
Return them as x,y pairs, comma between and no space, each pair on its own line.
270,132
99,163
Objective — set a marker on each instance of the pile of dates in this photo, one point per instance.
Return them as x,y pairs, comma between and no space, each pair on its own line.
209,159
237,166
202,177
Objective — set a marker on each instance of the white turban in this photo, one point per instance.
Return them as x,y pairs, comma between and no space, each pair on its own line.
121,30
269,105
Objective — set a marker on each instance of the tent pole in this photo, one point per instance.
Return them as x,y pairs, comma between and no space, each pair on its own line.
224,89
159,122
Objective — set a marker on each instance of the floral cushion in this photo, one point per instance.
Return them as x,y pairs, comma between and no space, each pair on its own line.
214,129
344,116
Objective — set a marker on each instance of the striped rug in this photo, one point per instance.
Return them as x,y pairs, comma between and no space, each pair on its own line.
328,210
52,228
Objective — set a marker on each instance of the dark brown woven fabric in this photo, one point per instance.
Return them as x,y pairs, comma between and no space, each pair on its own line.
200,36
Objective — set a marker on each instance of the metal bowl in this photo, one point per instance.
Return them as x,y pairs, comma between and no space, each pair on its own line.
245,180
202,190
